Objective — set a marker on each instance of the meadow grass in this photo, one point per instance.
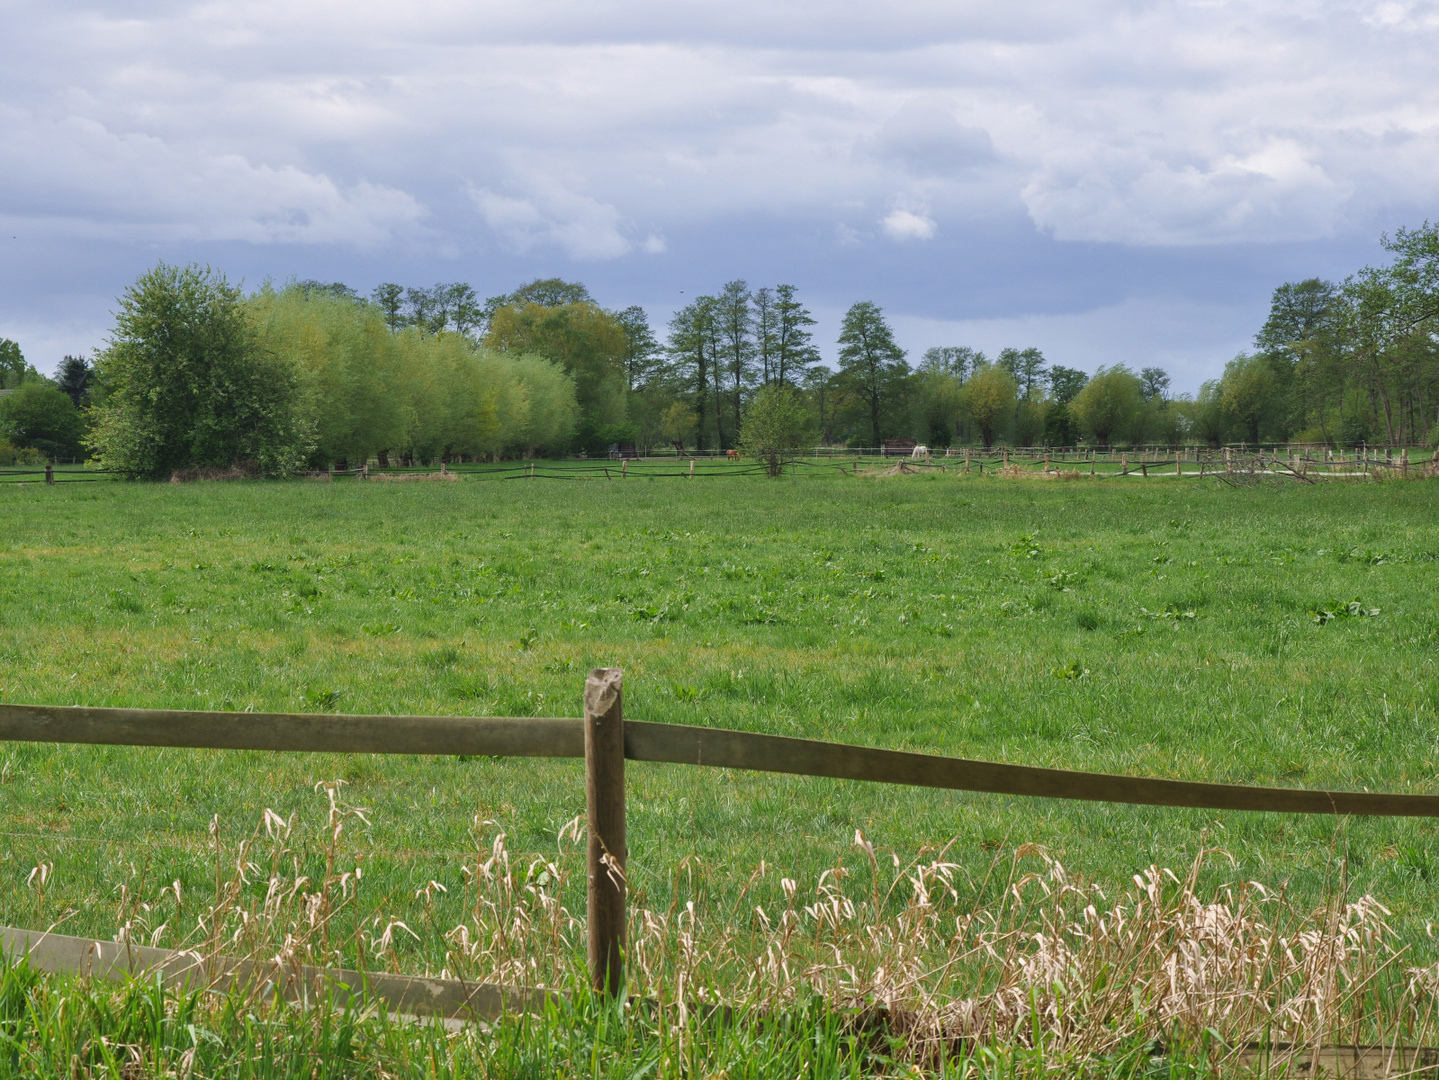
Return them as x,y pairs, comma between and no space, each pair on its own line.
1182,629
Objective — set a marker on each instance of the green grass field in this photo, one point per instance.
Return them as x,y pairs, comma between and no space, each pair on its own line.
1164,629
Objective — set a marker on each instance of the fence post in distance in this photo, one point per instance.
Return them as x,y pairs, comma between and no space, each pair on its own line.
49,472
605,813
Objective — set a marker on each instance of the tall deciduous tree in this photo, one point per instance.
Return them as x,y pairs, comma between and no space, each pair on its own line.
1154,384
1027,367
1065,383
690,336
794,351
642,350
988,396
1250,392
587,342
187,384
956,360
1109,403
871,362
734,317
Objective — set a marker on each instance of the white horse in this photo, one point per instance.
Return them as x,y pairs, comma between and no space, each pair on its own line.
920,452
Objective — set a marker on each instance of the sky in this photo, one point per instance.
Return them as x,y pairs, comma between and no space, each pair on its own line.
1112,181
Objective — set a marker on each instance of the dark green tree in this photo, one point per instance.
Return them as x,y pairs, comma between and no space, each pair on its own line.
689,350
1154,384
187,385
794,352
1065,383
74,378
1027,367
1251,393
642,351
872,364
390,299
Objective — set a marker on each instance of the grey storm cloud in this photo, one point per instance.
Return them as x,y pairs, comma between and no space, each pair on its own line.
615,133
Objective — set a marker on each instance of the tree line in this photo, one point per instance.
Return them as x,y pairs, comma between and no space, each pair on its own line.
1343,363
310,374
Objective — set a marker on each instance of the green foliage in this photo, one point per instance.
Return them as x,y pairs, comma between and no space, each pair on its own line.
1065,383
588,343
1060,428
1027,367
74,377
10,454
871,364
680,423
1250,392
12,364
1109,403
776,425
419,395
988,397
936,394
40,416
188,383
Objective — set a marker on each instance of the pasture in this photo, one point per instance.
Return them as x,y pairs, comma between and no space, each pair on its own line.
1183,630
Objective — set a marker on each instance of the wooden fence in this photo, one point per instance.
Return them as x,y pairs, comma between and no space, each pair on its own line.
606,740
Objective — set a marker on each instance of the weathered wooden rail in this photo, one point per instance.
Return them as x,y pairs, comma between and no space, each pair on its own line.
606,740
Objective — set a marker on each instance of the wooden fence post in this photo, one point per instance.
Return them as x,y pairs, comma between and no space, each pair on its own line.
49,472
692,468
605,813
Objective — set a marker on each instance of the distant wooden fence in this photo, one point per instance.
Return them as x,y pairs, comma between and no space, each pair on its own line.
606,740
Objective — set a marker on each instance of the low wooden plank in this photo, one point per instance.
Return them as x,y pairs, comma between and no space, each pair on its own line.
1339,1061
492,735
408,995
686,745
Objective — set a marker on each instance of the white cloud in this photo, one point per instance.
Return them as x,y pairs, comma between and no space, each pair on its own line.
1275,193
902,224
88,180
584,228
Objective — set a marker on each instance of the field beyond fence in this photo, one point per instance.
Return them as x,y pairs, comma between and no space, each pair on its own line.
1278,638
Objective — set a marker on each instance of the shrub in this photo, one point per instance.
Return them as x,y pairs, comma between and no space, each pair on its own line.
41,417
775,427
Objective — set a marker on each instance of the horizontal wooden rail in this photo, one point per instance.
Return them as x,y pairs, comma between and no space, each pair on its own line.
668,743
776,753
314,732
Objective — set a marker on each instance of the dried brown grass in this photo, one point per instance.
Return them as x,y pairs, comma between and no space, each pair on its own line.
244,470
1028,957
